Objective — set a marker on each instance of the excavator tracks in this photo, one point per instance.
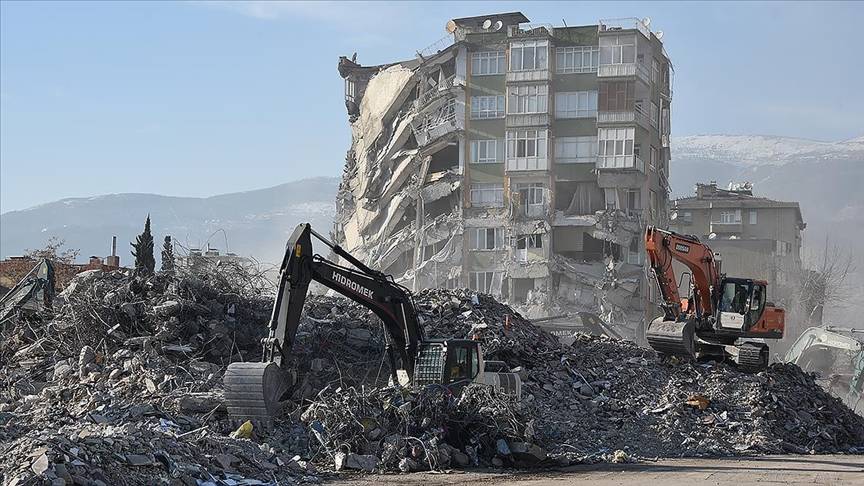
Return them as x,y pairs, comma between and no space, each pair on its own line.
752,357
672,337
253,390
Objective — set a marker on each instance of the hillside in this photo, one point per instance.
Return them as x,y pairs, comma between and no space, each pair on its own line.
254,222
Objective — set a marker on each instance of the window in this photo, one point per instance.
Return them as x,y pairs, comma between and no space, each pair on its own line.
481,281
655,114
576,104
349,90
753,219
615,146
617,49
528,55
526,149
528,98
487,107
487,151
634,200
529,241
485,238
487,63
653,158
576,59
655,71
573,150
532,198
634,254
489,195
617,96
729,217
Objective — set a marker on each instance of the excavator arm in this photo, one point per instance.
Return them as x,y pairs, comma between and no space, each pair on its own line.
256,389
665,246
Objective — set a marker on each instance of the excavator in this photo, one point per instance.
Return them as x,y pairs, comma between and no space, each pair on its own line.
722,318
258,390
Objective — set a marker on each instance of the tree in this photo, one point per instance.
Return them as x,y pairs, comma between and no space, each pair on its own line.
54,251
168,255
142,250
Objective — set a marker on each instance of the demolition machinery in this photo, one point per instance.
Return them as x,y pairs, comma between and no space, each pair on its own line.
722,318
257,390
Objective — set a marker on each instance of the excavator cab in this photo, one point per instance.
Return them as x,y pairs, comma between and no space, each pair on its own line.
742,302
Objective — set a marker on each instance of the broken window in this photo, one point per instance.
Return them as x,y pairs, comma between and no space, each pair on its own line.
529,241
486,238
634,200
483,281
531,98
487,195
617,49
487,107
487,151
581,59
532,198
634,254
487,63
587,198
576,104
571,150
529,55
349,90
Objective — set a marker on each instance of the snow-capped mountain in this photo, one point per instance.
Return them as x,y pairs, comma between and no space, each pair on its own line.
749,150
252,223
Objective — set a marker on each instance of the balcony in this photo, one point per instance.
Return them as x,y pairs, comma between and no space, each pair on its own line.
515,164
531,75
432,94
438,122
620,162
726,228
624,70
637,115
527,120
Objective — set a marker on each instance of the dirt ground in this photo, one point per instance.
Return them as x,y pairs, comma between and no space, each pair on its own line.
795,470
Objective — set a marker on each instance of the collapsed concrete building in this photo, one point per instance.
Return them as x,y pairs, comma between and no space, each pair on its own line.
518,160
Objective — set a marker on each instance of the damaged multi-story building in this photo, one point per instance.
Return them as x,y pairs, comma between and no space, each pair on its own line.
515,159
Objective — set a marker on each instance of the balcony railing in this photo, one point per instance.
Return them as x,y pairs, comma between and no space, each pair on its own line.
625,23
624,70
637,115
435,92
622,162
530,30
434,124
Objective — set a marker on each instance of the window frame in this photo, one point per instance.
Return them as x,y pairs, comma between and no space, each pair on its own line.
479,57
573,53
497,190
561,156
497,151
529,45
480,109
590,97
520,97
497,241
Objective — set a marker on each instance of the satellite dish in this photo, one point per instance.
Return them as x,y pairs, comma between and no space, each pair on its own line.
646,21
450,27
658,34
712,236
487,23
498,25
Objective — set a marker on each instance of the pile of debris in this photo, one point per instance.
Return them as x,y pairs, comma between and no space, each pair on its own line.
122,385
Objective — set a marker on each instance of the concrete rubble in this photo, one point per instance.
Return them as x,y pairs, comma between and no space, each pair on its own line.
122,385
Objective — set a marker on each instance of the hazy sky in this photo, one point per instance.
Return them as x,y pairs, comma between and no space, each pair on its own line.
205,98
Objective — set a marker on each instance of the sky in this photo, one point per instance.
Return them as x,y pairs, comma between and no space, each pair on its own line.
204,98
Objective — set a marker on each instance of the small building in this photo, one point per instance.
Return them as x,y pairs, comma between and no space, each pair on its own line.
756,237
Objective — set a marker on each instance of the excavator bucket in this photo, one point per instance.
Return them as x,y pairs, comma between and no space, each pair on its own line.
253,391
672,337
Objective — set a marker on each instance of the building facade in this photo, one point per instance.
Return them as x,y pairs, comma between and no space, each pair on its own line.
756,237
518,160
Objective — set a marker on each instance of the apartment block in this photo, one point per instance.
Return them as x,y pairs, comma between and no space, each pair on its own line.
521,160
756,237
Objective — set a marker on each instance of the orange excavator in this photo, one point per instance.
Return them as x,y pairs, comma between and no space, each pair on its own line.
722,318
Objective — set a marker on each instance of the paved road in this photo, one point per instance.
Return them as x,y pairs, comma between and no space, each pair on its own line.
773,470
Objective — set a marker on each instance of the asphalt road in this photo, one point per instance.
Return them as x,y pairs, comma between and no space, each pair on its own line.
773,470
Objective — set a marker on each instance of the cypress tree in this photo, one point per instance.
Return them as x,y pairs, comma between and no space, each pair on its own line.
168,255
142,250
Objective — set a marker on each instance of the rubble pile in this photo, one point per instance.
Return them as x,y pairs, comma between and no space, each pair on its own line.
600,395
123,385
